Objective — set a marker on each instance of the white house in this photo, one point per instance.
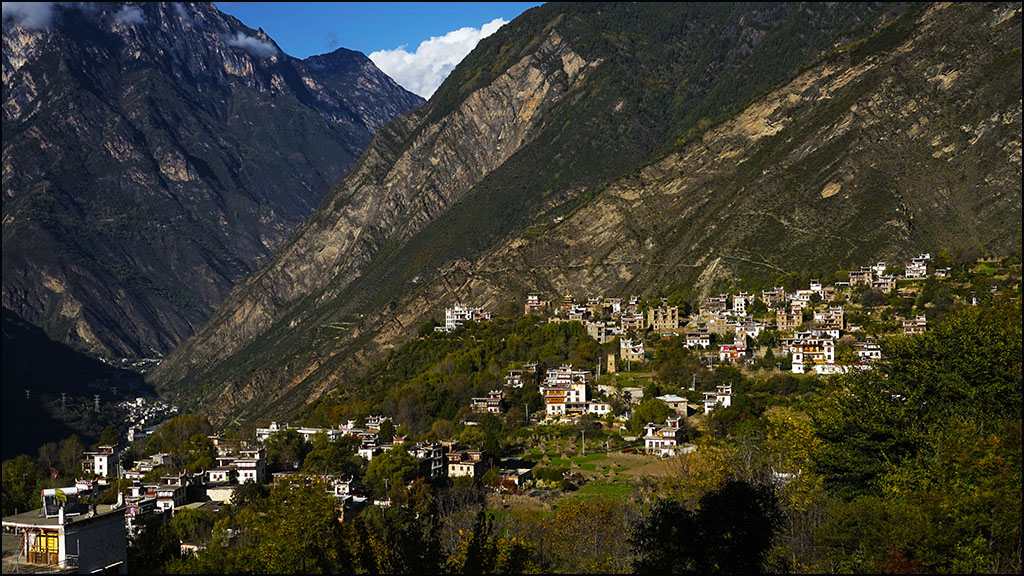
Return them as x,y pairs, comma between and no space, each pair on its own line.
722,396
663,440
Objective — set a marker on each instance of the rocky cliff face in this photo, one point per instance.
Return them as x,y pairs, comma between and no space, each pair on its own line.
414,170
155,154
906,140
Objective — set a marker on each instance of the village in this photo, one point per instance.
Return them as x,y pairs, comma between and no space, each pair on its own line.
806,331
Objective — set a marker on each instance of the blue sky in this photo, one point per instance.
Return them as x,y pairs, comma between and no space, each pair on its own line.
416,43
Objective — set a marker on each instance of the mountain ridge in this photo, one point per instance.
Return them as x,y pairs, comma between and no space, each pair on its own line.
152,161
812,155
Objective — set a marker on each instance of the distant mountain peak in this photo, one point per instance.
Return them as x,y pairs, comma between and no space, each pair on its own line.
157,153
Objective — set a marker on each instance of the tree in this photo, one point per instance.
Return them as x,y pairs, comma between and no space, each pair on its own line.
736,527
154,546
110,436
663,540
69,455
480,552
387,431
195,454
20,485
968,366
731,533
191,525
872,298
388,473
286,450
333,456
650,410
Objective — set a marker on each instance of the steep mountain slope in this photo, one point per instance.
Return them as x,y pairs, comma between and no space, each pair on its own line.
37,371
155,154
904,141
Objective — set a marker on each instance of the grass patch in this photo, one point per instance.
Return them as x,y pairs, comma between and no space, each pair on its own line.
603,489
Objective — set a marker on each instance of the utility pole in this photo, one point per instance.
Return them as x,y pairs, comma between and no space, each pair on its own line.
584,431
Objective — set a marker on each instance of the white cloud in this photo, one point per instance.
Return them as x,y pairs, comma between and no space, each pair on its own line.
423,71
129,15
29,15
181,11
251,44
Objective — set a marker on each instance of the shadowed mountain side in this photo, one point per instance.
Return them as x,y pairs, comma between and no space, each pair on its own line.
151,163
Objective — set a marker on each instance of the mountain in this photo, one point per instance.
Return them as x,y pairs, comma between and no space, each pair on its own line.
37,372
156,154
634,149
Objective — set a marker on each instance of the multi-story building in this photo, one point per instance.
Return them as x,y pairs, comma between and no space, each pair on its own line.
466,463
748,328
722,396
171,493
490,404
630,351
739,303
774,298
884,283
102,462
868,352
251,466
788,321
718,303
525,375
631,321
663,440
601,331
862,277
563,386
308,433
663,318
735,352
536,306
699,339
833,319
812,353
595,307
431,456
67,537
914,326
455,317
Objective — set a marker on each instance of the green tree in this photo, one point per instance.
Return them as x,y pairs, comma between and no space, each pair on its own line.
286,450
154,546
387,431
968,366
21,481
389,472
333,456
110,436
195,454
191,525
481,552
69,456
649,410
731,533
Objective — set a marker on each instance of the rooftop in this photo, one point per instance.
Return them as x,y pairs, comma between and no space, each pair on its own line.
35,517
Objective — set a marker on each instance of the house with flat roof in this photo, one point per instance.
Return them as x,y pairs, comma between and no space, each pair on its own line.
64,537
